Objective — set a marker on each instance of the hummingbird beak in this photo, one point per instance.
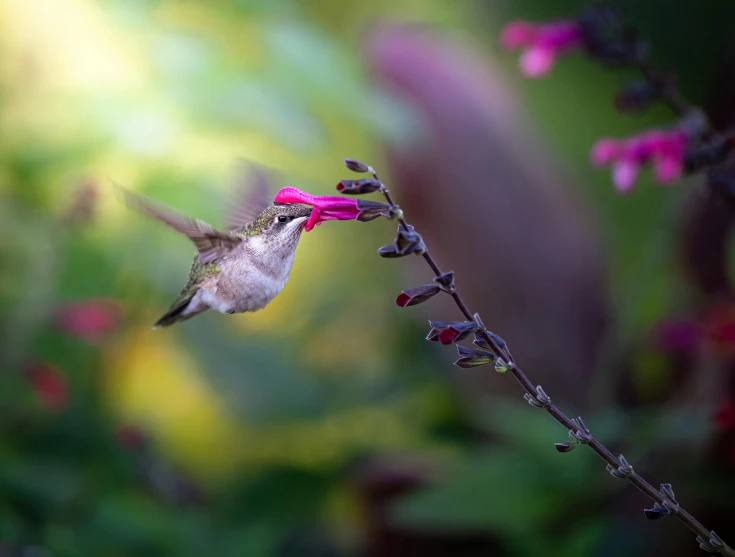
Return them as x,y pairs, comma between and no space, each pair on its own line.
298,222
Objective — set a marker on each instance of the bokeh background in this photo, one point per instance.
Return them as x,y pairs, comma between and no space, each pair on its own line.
325,425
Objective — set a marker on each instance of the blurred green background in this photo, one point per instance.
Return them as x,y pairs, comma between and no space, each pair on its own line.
325,424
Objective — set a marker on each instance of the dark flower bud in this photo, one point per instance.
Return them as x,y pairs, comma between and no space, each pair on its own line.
448,332
481,342
709,154
639,95
446,281
694,123
389,252
356,166
359,187
473,358
499,341
607,37
657,512
370,210
436,328
668,492
565,447
414,296
408,241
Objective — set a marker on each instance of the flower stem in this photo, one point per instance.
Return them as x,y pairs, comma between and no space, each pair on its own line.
617,465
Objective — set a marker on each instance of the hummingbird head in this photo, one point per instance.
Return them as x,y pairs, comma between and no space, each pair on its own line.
281,224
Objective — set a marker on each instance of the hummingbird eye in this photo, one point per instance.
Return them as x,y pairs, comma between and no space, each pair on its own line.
283,218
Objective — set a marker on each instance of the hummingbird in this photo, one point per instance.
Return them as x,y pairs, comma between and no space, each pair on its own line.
240,268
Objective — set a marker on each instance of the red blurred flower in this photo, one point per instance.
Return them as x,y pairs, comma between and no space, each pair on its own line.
665,149
49,386
89,320
326,207
542,43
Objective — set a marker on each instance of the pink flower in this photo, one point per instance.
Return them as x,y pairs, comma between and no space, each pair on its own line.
49,386
665,149
542,43
89,320
326,207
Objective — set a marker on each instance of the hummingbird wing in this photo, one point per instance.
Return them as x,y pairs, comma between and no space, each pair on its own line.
211,243
251,196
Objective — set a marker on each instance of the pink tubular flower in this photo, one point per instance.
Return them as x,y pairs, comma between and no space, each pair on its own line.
326,207
49,386
542,43
89,320
665,149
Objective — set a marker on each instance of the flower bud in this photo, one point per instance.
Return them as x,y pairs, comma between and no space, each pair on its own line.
638,95
448,332
359,187
370,210
499,341
657,512
414,296
389,252
408,241
356,166
566,446
481,342
473,358
607,37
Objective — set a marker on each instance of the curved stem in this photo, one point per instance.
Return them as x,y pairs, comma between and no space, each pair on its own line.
614,462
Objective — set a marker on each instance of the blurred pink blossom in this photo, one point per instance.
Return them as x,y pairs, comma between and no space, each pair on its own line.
665,149
542,43
326,207
49,386
89,320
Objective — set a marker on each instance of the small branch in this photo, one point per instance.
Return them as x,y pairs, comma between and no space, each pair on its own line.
664,502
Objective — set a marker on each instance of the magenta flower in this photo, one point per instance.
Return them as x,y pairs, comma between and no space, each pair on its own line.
89,320
542,43
665,149
326,207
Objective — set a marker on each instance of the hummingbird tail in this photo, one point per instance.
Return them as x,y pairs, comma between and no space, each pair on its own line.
178,312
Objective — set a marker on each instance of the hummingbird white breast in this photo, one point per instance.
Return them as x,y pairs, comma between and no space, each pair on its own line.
251,276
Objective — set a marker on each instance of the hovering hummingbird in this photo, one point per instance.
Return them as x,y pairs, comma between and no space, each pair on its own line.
238,269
